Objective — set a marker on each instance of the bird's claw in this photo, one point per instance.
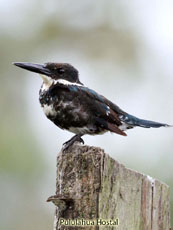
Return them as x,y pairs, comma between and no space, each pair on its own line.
81,141
70,142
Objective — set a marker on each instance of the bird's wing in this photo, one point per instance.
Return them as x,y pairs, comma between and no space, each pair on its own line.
105,112
102,99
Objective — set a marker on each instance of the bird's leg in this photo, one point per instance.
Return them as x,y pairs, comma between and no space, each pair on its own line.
70,142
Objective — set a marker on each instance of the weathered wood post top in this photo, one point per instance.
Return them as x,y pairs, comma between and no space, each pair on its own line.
94,191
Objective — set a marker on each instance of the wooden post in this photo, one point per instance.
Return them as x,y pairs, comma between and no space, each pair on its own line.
92,188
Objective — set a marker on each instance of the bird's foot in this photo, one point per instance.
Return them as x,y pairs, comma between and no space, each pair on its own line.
70,142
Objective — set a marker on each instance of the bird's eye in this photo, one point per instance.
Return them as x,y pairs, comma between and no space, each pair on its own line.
60,70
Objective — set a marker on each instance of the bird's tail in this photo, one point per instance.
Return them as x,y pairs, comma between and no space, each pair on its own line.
134,121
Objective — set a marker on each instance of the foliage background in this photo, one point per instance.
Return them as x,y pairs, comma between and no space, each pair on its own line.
123,49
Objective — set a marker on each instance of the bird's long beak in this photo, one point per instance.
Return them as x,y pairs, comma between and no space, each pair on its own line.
37,68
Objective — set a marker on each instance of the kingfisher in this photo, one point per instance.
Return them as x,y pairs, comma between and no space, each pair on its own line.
74,107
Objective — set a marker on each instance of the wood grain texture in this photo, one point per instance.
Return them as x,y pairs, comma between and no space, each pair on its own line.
90,185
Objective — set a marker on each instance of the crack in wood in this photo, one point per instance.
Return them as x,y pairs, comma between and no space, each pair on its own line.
90,185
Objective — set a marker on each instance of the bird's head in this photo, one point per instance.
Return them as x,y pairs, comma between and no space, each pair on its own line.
51,72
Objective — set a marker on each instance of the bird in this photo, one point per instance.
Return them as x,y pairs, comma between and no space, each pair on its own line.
72,106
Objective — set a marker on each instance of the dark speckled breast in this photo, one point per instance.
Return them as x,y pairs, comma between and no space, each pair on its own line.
63,108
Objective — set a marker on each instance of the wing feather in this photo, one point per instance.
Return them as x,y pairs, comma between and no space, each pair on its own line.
106,113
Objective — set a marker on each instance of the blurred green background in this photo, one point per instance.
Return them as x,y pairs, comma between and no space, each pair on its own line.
123,49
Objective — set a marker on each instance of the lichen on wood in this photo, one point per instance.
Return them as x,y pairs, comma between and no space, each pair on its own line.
90,185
